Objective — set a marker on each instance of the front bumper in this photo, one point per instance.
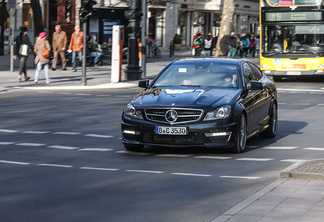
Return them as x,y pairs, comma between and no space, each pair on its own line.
211,134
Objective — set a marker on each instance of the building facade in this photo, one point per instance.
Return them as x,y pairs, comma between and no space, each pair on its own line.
165,18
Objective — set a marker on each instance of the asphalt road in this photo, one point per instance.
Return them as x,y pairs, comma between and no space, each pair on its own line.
61,159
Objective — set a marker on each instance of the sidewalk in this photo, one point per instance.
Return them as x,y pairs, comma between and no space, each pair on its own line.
98,77
298,194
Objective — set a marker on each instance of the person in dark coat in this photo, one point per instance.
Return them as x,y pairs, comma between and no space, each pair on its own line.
22,38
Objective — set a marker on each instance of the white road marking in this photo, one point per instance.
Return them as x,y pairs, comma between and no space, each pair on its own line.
54,165
314,148
36,132
8,131
214,157
293,160
133,153
282,103
192,174
95,168
6,143
66,133
45,92
280,147
144,171
83,94
95,149
172,155
30,144
64,93
301,104
63,147
13,162
240,177
320,104
99,136
301,90
255,159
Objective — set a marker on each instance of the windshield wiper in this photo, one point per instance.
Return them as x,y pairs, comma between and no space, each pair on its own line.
195,85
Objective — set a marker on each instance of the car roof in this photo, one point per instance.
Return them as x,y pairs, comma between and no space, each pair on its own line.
225,61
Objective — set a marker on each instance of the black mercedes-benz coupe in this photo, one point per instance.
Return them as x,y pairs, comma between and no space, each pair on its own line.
207,102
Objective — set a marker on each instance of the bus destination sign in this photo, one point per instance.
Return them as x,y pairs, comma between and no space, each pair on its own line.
293,16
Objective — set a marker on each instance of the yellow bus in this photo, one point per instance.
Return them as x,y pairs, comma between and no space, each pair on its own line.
292,38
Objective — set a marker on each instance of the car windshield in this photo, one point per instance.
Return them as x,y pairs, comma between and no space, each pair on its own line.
198,75
286,41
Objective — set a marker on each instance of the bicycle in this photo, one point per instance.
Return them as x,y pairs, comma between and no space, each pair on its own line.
153,49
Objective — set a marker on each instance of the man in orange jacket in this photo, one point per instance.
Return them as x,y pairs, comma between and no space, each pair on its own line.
76,46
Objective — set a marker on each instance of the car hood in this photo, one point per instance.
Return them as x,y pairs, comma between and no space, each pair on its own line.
201,97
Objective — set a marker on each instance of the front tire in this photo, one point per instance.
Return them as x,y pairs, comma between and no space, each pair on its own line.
135,148
240,142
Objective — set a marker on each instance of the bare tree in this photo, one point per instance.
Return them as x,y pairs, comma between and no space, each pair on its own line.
225,28
38,18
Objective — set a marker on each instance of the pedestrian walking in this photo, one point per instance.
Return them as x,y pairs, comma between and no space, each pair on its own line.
59,46
76,45
21,49
230,45
198,44
208,45
40,60
245,45
252,45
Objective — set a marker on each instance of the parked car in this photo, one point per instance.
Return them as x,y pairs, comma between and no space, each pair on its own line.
205,102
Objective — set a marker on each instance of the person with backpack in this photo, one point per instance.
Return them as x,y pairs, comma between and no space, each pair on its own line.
198,45
208,45
22,46
245,45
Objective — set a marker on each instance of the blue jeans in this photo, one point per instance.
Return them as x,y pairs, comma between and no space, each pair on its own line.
38,69
97,56
74,59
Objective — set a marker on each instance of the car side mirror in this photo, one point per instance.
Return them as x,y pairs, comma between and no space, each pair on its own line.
143,83
254,85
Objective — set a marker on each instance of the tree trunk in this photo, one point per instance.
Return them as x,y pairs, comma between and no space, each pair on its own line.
38,18
225,28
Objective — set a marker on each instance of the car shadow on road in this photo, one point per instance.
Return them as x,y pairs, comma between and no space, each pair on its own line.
285,128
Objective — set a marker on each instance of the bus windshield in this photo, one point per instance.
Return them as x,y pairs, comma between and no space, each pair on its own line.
281,40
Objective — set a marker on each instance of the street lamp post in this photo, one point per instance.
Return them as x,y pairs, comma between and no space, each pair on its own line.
133,71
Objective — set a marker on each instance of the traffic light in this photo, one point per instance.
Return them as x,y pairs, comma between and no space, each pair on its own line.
86,9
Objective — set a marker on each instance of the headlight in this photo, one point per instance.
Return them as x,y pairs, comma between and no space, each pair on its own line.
265,66
220,113
132,112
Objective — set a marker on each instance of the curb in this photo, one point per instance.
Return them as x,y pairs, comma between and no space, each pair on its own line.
295,171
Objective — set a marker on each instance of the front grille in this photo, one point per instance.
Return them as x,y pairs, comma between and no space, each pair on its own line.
184,115
190,139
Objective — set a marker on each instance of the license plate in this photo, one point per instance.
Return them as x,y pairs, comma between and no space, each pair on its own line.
170,130
293,73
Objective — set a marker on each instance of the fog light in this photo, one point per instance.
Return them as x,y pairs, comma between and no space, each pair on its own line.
319,71
218,134
132,132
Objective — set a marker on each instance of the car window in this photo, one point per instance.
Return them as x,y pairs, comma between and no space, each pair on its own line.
257,75
203,75
247,74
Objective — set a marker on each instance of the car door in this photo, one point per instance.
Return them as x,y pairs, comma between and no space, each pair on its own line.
264,101
252,100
